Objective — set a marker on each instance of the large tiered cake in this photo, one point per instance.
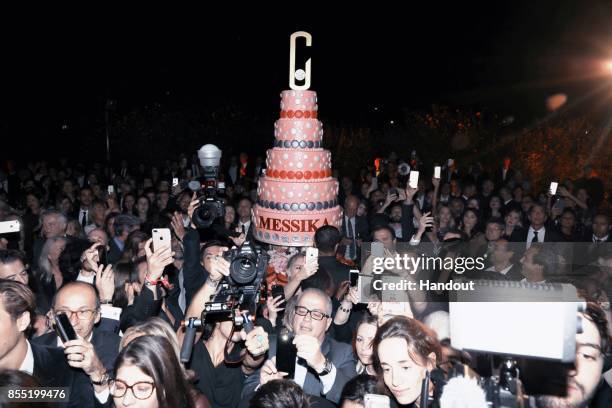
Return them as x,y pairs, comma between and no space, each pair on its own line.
297,195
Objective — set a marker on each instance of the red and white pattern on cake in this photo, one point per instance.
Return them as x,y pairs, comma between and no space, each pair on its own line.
303,101
298,129
292,228
297,192
298,160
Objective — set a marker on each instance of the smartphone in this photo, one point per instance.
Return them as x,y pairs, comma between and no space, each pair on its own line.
161,238
378,249
312,254
277,290
111,189
64,328
174,182
437,172
553,188
376,401
6,227
286,352
353,277
102,255
414,179
393,191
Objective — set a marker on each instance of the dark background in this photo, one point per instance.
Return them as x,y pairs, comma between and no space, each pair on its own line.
184,78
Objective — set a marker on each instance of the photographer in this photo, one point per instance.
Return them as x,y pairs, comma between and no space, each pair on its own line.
221,380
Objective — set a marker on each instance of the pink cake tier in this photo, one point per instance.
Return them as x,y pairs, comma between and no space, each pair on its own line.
292,228
298,160
298,194
302,101
298,133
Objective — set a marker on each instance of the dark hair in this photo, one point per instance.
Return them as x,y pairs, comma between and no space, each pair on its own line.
420,339
211,243
478,226
124,272
326,238
109,217
279,394
498,221
123,207
595,314
130,250
69,261
17,299
544,258
381,228
321,280
357,388
365,319
8,256
155,356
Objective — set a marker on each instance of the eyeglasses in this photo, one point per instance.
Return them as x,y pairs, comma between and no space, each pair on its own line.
81,314
315,314
22,273
141,390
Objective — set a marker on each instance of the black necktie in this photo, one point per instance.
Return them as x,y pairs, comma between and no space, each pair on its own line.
84,219
535,237
243,229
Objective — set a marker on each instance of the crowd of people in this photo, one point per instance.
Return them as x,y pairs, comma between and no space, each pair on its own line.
84,249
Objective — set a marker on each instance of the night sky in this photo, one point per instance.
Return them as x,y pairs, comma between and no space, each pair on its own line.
507,59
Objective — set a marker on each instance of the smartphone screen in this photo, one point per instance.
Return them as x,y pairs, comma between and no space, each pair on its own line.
161,238
111,189
414,179
286,353
64,328
353,277
7,227
553,188
437,172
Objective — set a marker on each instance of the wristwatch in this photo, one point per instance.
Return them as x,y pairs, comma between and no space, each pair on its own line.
102,381
327,367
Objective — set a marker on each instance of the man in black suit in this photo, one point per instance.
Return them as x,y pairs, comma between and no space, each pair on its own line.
323,365
244,224
505,173
354,230
538,231
327,239
83,207
502,257
81,303
53,225
124,224
48,365
597,241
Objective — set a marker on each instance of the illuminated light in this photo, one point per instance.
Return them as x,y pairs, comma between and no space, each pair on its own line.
392,122
608,66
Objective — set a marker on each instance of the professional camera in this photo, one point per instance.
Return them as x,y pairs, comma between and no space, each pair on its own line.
247,264
237,297
210,207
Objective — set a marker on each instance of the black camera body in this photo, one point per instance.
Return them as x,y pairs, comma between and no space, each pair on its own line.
248,264
211,206
242,289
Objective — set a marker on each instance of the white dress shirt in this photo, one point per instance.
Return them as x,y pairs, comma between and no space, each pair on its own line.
530,235
246,226
603,239
27,365
524,280
503,271
86,279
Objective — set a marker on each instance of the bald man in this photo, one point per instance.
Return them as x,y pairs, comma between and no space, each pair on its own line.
80,302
